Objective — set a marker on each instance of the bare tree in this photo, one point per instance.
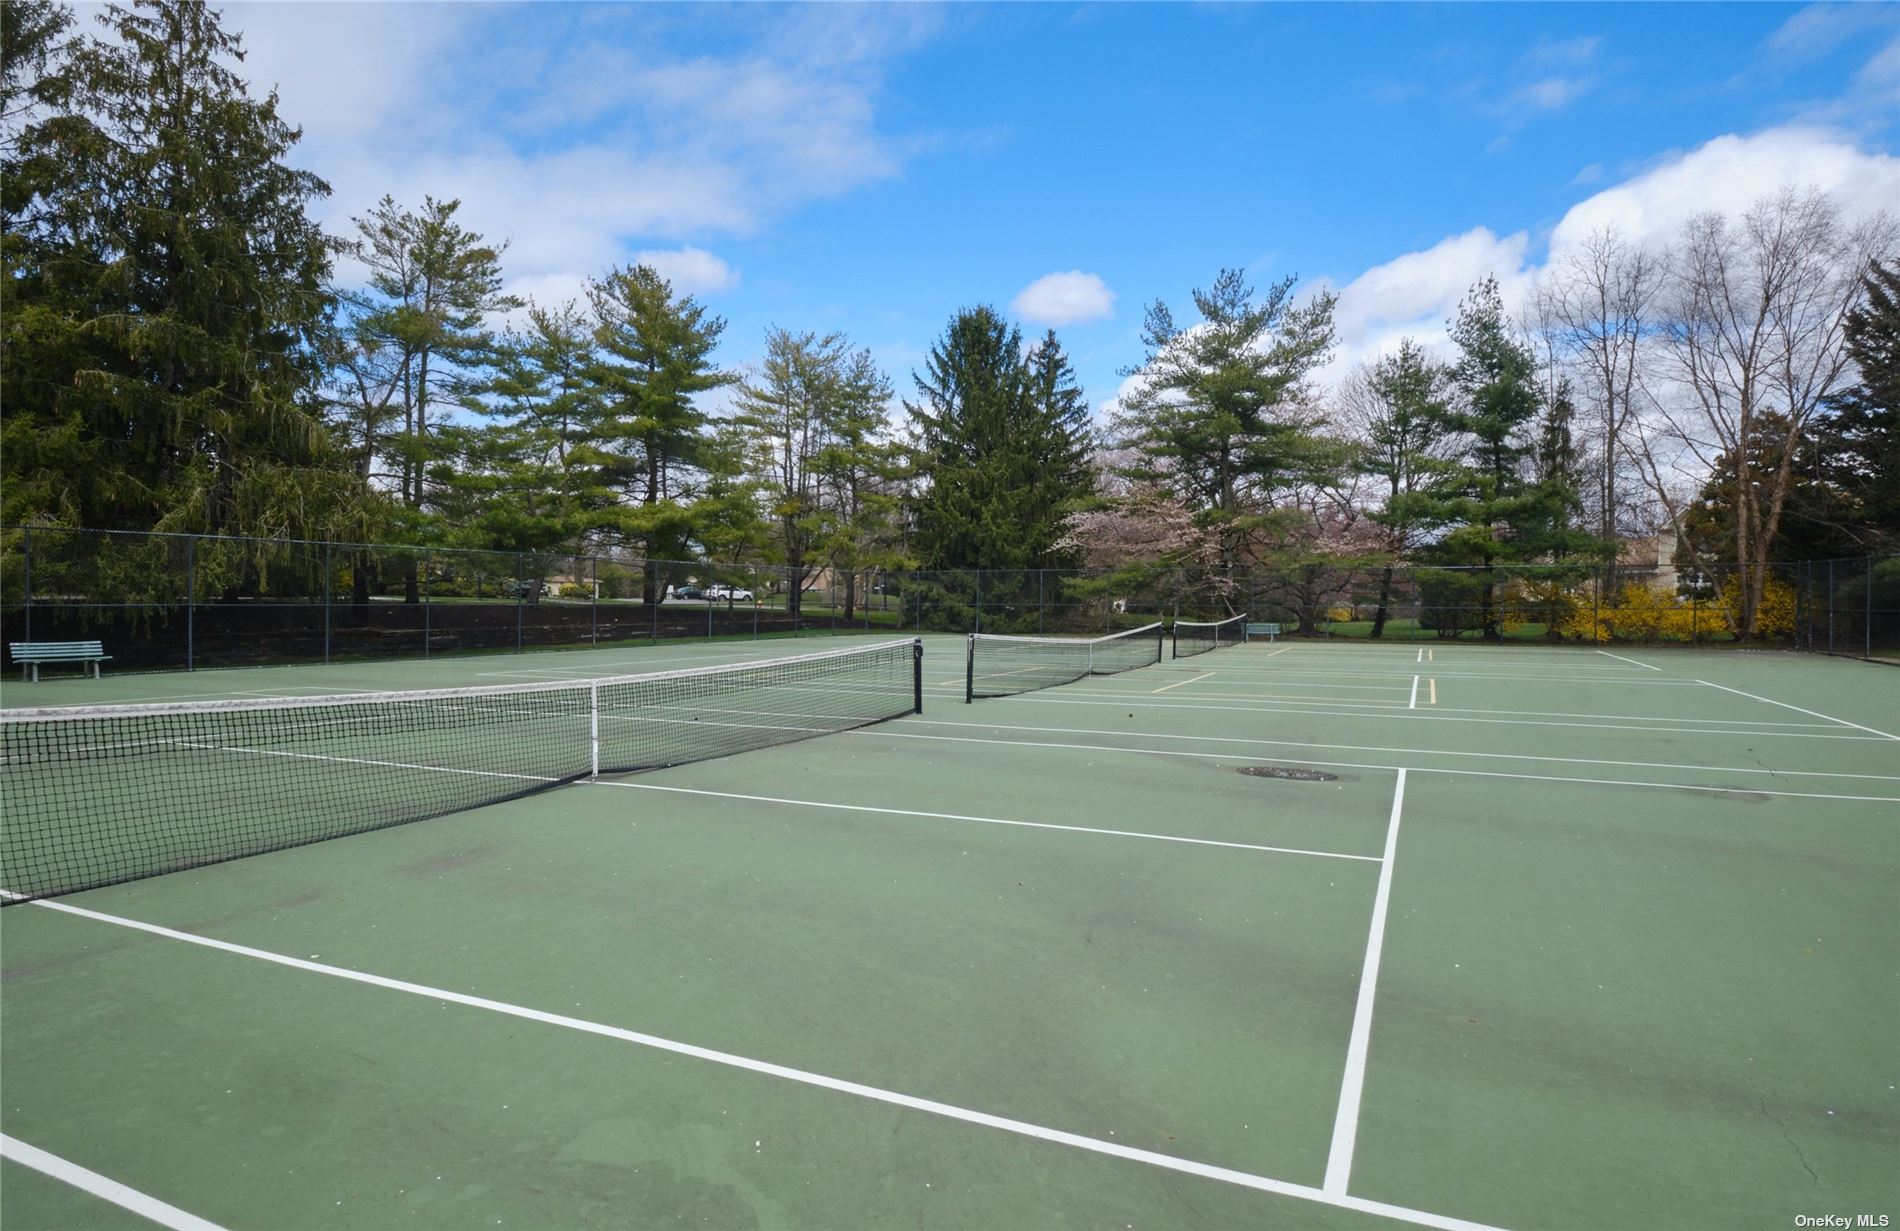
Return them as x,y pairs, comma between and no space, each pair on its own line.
1754,346
1598,304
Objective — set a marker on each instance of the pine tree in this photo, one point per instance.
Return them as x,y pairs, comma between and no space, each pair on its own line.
1488,510
165,289
1404,426
423,319
1219,415
994,449
1866,420
653,355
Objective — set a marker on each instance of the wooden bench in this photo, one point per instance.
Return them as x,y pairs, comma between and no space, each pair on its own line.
30,654
1269,631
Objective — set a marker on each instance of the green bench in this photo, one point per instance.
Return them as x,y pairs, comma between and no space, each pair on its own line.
30,654
1269,631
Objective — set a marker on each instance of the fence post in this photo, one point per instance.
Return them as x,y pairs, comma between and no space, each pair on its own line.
1867,616
326,604
521,600
426,630
191,604
26,547
1830,606
593,600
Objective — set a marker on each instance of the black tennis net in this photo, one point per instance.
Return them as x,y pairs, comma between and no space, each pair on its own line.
1193,637
103,794
1002,666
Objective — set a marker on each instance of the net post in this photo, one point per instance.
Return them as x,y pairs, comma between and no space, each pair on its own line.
593,729
1174,639
969,669
191,610
917,676
326,603
1161,639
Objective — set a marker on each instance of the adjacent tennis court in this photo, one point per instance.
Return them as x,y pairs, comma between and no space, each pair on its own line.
1293,934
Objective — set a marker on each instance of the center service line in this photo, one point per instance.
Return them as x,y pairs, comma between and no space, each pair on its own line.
1352,1085
1205,675
1413,704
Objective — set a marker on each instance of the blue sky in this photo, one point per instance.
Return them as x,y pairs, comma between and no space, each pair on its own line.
871,169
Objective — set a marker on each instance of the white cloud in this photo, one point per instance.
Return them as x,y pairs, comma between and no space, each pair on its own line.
1414,295
692,271
574,133
1548,94
1065,299
1729,174
1552,53
1820,28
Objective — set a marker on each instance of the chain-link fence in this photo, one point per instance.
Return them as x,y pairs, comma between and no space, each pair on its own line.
162,602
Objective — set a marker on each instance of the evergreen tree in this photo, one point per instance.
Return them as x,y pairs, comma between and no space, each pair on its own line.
522,478
1488,510
1403,423
863,467
994,449
1219,415
422,321
164,288
788,413
1866,420
652,356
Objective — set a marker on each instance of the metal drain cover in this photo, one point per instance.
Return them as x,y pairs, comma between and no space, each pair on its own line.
1295,775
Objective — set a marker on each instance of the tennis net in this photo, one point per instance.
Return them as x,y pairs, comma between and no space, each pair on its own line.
1002,666
102,794
1193,637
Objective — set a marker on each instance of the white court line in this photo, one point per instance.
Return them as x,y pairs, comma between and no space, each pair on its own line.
1352,1084
102,1187
1266,699
1417,769
1021,1128
1205,675
981,820
1797,709
1624,676
1644,666
1421,716
1421,653
1421,752
1413,703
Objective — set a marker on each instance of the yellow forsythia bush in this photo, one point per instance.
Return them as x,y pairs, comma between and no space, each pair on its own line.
1643,613
1776,616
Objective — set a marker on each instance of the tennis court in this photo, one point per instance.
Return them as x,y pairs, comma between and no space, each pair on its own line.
1491,937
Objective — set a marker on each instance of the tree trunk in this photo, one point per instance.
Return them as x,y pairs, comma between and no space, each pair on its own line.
1385,594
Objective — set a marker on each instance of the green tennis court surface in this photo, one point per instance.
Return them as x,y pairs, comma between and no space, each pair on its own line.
1041,961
